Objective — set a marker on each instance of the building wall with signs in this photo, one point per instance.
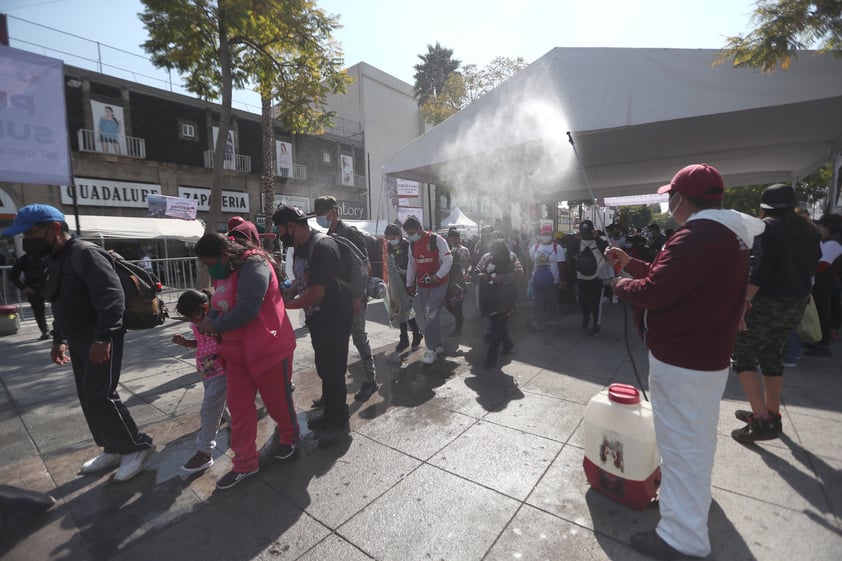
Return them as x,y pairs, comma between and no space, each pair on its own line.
387,111
166,147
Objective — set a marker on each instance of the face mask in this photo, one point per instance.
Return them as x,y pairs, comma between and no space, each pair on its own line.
38,247
670,208
218,270
546,239
323,221
415,237
287,239
395,242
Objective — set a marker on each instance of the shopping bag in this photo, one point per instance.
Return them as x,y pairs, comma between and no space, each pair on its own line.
810,330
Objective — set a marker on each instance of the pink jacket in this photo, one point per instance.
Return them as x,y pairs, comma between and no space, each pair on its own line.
266,340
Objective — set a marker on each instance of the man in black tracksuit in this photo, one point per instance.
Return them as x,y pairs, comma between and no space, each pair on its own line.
588,282
88,304
34,284
327,303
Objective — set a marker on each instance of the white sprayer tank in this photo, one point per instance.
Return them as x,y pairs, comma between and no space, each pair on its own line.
621,456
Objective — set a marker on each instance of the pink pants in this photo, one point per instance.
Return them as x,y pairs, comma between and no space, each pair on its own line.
274,387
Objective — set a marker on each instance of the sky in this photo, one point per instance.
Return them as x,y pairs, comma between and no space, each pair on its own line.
390,34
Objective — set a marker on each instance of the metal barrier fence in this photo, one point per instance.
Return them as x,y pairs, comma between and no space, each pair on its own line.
176,273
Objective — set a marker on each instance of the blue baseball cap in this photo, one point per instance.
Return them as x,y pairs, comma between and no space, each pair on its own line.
30,215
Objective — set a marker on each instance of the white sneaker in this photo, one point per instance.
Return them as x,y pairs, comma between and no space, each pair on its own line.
101,462
131,464
429,357
615,300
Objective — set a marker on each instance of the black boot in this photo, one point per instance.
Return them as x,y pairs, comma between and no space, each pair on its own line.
403,344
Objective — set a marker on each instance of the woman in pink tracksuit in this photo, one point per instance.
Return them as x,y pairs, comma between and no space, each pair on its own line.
257,346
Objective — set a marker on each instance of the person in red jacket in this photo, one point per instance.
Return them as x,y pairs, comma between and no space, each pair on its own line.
689,303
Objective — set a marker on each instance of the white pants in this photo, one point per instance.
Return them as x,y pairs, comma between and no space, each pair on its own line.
685,407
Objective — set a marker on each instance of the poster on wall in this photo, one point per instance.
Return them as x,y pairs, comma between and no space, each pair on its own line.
161,206
347,163
33,101
408,188
301,202
230,161
405,212
109,128
283,157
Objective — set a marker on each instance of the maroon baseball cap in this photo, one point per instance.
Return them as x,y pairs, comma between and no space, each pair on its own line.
700,181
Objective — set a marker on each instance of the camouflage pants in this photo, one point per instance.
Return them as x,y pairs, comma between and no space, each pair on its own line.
762,344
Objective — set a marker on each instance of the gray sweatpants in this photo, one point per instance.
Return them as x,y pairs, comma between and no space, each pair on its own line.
360,338
211,413
432,301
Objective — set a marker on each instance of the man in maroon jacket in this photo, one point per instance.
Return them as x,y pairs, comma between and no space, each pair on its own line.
689,303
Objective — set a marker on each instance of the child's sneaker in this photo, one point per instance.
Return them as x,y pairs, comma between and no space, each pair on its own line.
198,462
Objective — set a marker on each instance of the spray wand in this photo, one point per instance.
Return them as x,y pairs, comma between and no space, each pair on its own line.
616,268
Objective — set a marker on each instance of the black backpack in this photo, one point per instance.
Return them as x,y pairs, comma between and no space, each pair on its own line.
586,263
144,308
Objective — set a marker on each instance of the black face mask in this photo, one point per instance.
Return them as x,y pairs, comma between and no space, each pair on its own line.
37,247
287,239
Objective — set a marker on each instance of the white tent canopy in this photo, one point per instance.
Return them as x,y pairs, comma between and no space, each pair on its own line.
136,228
637,116
461,222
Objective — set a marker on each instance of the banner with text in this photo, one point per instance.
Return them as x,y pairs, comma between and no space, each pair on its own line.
34,148
232,201
408,188
107,192
161,206
351,209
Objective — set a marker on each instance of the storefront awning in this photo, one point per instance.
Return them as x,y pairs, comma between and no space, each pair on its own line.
137,228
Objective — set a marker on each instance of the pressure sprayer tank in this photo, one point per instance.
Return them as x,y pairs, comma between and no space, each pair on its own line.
621,457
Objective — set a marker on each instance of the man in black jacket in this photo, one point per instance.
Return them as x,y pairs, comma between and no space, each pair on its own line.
34,284
88,304
327,215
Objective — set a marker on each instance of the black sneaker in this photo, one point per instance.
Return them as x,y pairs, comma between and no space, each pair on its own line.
757,429
321,422
651,544
334,434
198,462
416,340
232,478
507,348
746,416
319,402
595,330
44,336
285,452
403,345
366,391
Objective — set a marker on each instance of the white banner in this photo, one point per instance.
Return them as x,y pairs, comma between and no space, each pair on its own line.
230,161
283,157
172,207
106,192
629,200
405,212
232,201
109,133
301,202
408,188
347,163
34,147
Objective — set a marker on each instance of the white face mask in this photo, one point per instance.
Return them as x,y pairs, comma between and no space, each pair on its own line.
394,241
670,208
546,239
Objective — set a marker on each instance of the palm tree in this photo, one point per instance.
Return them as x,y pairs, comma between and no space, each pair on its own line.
431,74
